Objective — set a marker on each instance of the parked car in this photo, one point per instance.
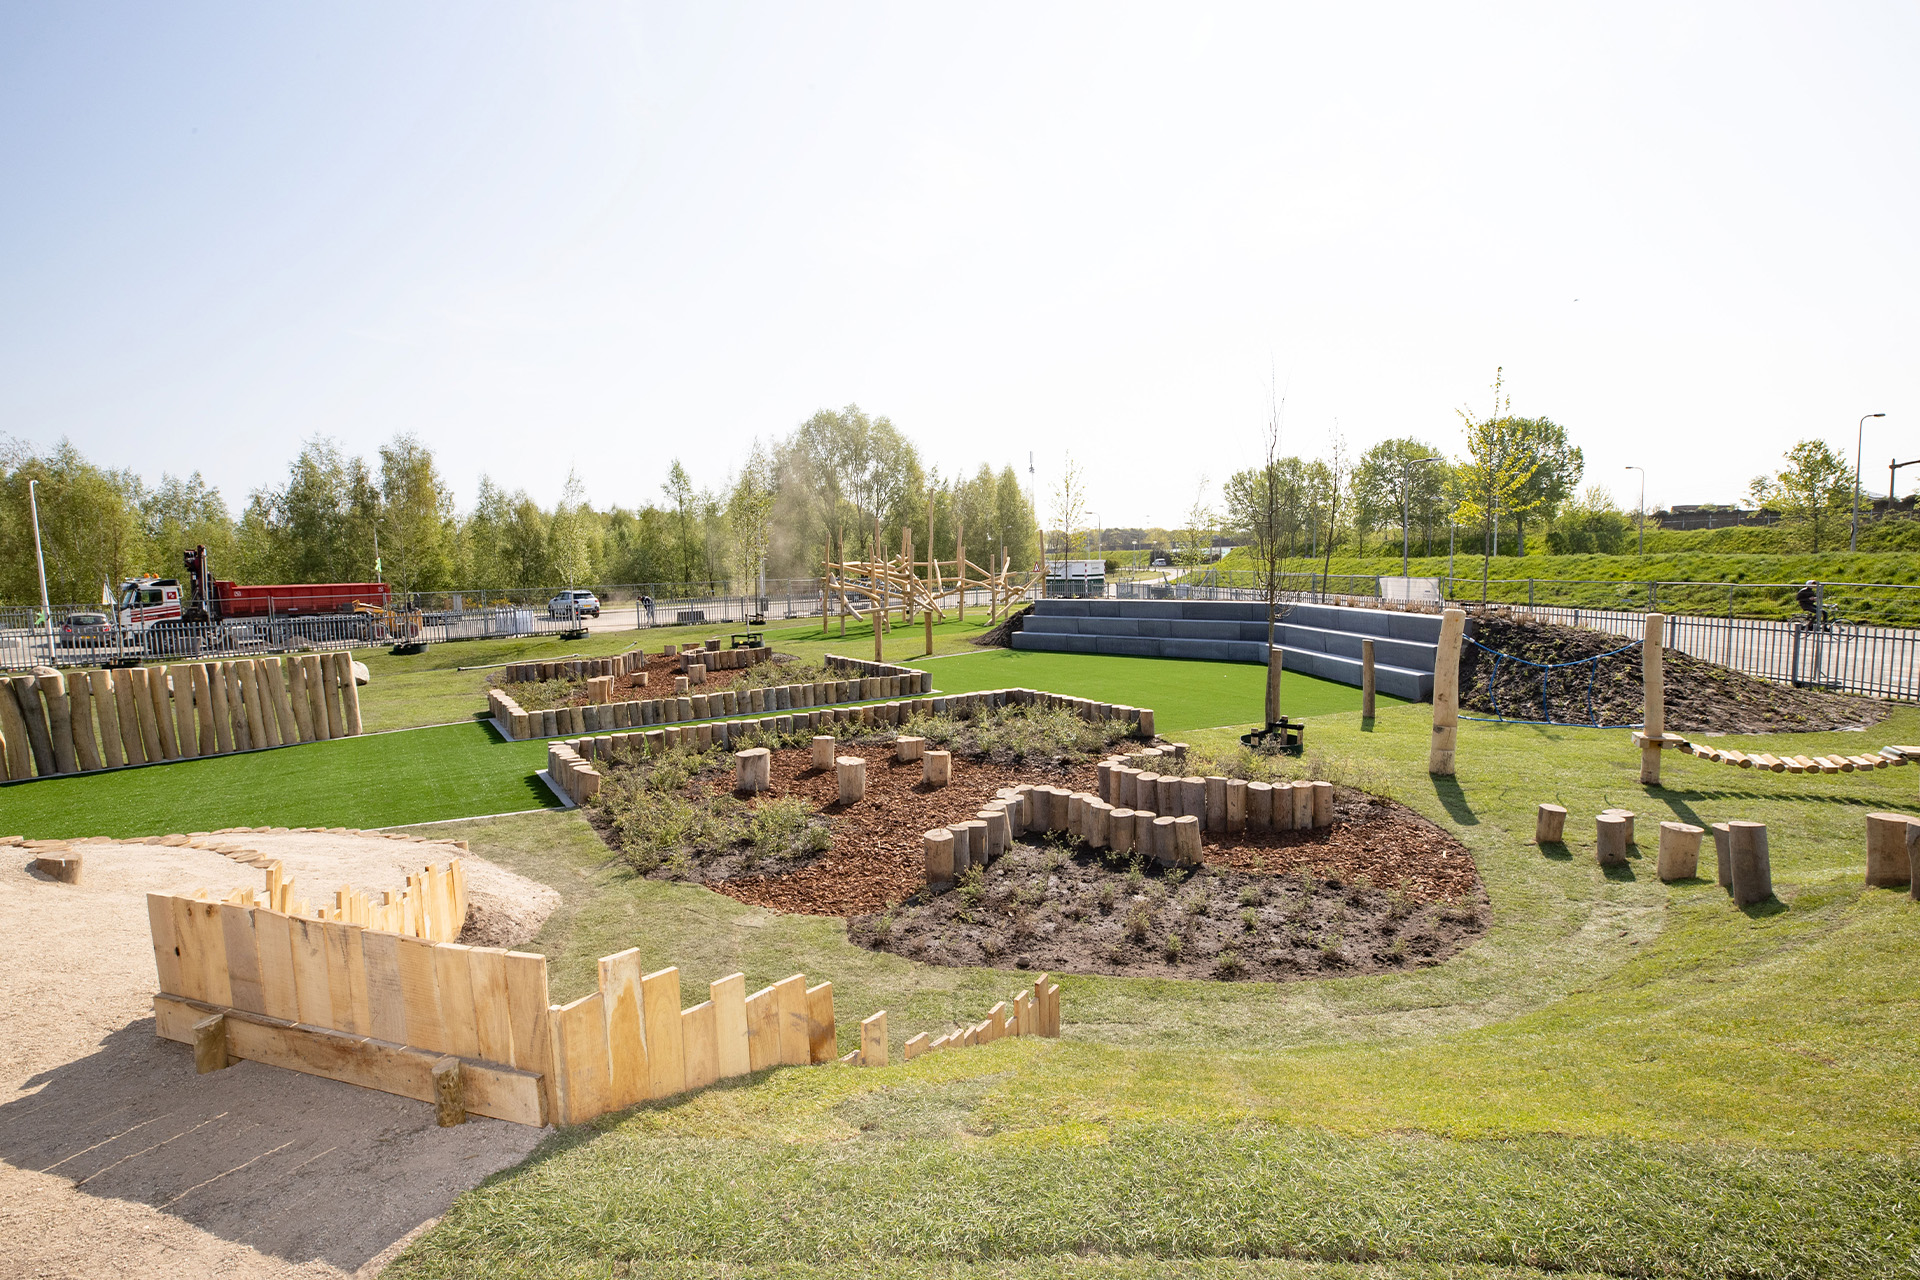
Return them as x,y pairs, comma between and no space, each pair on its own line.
85,631
572,604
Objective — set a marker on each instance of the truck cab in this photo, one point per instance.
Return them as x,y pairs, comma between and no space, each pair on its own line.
145,601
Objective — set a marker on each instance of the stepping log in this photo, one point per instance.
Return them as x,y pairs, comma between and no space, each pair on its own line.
1752,866
938,847
852,773
936,767
1611,851
1549,824
64,867
823,752
753,769
1679,851
1723,855
1887,850
908,749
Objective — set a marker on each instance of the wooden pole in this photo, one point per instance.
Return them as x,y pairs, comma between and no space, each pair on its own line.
1276,662
960,564
826,587
843,586
913,577
1366,679
1653,688
1446,693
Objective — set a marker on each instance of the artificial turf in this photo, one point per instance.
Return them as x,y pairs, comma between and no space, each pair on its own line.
1185,694
379,780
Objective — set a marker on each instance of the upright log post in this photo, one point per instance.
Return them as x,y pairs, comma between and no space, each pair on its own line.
960,563
1366,679
1276,661
1653,687
1752,867
1887,850
1446,693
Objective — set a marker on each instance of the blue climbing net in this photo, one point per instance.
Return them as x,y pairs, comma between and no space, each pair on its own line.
1546,670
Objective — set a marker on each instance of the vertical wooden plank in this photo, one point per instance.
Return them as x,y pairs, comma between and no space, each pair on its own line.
85,745
273,944
666,1054
621,1005
451,971
243,959
873,1040
146,731
580,1058
316,697
193,979
186,733
160,691
243,739
276,690
112,752
330,688
532,1024
386,1002
790,996
698,1045
217,708
420,992
357,981
166,949
763,1030
333,936
729,996
487,969
312,979
820,1030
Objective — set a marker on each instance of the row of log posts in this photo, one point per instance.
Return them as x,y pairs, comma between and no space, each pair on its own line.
146,715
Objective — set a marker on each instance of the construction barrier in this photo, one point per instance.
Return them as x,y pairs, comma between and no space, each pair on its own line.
54,723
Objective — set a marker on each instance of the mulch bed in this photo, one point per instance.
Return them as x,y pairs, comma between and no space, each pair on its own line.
1043,907
659,672
1701,696
1381,889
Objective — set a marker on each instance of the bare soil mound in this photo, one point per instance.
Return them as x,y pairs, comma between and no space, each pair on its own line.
1001,637
1701,696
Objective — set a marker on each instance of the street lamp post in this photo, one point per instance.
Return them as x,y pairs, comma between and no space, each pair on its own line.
46,609
1406,484
1859,437
1643,507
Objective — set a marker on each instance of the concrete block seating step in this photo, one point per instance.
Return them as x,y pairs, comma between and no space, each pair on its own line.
1319,640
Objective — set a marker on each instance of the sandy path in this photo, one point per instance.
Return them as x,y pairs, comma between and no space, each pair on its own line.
117,1160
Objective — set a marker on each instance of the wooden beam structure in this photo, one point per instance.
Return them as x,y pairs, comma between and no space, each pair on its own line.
928,587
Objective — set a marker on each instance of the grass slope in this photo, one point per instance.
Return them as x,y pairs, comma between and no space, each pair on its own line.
1184,694
389,779
1622,1077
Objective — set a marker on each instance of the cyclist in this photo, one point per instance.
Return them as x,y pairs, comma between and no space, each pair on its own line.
1808,598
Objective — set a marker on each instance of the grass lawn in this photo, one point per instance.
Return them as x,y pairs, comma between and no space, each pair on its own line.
429,688
388,779
1184,694
1622,1077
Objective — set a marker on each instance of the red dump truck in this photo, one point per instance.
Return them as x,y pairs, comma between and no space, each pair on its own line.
152,606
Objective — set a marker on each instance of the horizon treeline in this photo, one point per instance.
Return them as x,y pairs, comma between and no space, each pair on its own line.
332,517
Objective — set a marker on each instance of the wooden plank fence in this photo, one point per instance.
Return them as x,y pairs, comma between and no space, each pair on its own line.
379,994
77,722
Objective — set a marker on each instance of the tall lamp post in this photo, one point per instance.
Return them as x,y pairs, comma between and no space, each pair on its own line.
1406,485
1643,507
1859,437
46,609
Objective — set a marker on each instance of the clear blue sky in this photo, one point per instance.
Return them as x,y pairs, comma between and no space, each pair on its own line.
600,236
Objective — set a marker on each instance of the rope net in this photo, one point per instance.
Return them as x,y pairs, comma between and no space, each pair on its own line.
1522,691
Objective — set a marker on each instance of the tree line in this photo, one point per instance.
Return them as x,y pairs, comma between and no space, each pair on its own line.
841,478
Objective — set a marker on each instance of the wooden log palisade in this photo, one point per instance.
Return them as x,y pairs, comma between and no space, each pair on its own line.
472,1030
859,681
571,763
81,721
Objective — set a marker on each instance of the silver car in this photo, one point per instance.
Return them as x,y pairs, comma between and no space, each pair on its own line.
574,604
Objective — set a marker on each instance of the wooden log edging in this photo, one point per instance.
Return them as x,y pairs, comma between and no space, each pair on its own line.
82,722
571,762
1034,1012
1884,758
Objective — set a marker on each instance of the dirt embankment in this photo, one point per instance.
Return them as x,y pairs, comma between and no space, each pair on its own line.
1701,696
